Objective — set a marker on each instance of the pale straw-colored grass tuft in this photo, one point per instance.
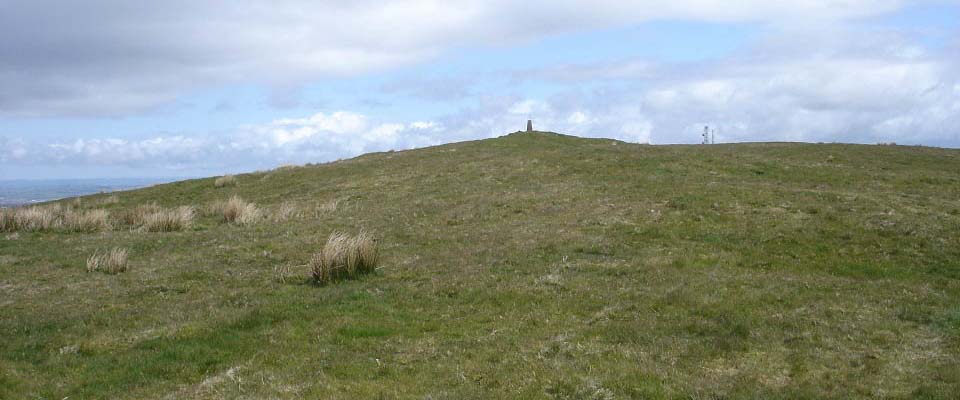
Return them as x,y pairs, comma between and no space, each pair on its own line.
224,181
169,220
111,199
238,211
137,215
286,211
326,208
7,221
95,220
113,261
36,218
344,257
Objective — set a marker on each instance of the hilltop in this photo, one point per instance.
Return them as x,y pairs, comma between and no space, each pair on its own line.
534,265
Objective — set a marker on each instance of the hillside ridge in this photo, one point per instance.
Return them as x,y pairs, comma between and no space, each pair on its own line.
525,266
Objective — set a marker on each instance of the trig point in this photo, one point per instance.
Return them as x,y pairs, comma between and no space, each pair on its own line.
529,125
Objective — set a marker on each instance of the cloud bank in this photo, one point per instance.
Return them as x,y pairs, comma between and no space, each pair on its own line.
819,71
319,137
864,89
114,57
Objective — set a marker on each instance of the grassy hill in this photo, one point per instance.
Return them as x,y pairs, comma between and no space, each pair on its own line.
533,265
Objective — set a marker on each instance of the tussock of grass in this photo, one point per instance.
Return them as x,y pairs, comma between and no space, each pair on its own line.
282,273
169,220
111,199
327,207
344,257
37,218
138,214
113,261
153,218
224,181
237,211
149,217
7,220
287,210
53,217
96,220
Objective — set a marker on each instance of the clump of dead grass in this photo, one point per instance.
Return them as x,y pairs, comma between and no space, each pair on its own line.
153,218
287,210
112,261
237,211
54,217
224,181
327,207
7,221
138,214
169,220
36,218
96,220
282,273
111,199
344,257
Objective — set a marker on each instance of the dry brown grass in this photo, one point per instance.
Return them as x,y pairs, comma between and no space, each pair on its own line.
37,218
224,181
53,217
325,208
287,210
169,220
153,218
238,211
7,220
282,272
138,214
113,261
96,220
344,257
111,199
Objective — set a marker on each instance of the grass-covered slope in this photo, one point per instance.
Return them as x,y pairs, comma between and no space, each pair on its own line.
529,266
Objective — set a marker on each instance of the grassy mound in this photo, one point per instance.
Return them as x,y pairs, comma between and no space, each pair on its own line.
533,265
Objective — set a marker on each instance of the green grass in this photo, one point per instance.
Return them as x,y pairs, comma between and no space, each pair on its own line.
529,266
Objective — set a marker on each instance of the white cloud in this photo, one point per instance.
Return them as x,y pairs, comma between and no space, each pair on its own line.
113,58
318,138
850,88
285,131
831,85
425,125
625,69
529,106
113,151
637,131
836,99
577,118
11,150
325,137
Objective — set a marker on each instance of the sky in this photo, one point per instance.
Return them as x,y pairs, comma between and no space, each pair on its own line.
181,88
